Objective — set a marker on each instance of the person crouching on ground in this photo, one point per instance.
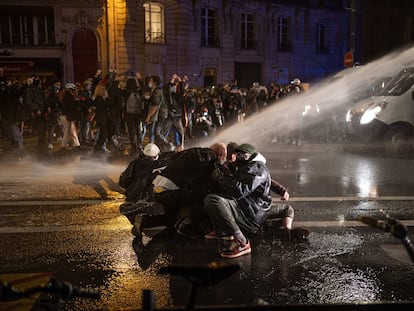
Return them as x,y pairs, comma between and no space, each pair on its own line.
181,187
240,201
279,213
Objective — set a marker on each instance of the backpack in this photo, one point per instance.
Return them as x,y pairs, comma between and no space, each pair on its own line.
137,178
262,95
128,175
133,104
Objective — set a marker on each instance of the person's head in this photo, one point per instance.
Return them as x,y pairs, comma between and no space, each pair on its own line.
147,93
88,84
131,85
151,151
220,150
70,87
100,90
154,82
245,152
231,152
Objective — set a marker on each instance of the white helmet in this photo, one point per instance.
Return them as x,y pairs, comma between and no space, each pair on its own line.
151,150
70,86
296,81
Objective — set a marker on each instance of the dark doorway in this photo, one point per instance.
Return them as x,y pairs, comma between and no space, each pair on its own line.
247,73
85,55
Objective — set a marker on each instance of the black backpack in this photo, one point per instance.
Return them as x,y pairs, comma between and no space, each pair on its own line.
137,178
133,104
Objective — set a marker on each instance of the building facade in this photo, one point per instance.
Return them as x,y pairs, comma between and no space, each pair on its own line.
210,41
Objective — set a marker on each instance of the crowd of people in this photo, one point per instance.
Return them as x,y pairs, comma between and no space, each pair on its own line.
221,192
96,113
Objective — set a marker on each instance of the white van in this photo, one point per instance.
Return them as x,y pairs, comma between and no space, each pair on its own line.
387,117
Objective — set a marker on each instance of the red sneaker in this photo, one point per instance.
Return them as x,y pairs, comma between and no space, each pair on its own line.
236,249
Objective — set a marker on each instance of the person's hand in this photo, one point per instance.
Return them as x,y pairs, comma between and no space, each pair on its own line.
285,196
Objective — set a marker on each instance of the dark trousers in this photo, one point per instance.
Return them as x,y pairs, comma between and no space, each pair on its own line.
226,217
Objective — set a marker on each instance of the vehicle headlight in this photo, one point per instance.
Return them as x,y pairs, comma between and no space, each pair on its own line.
370,114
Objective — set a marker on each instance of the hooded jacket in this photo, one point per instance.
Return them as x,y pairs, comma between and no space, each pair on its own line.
250,187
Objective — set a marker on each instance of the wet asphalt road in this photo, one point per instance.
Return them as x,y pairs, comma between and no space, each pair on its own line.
62,216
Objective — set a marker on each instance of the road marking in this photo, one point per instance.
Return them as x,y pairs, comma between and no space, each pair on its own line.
63,228
124,225
339,223
330,199
275,199
57,202
24,281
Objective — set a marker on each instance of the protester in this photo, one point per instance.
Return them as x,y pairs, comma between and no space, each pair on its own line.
34,100
182,186
12,116
134,115
283,214
240,201
69,117
137,179
54,112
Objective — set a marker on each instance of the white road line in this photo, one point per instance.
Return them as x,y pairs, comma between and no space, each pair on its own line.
127,226
56,202
337,223
321,199
275,199
63,228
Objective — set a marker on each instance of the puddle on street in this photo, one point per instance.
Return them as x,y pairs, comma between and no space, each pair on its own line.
306,273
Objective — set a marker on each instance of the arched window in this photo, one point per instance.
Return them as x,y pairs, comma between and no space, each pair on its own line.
154,23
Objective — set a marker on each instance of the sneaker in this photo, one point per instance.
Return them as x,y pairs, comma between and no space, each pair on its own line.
213,236
236,249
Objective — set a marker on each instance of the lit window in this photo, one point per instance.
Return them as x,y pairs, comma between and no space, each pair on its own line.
154,23
247,31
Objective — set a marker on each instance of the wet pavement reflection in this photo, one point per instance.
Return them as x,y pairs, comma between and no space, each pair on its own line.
90,243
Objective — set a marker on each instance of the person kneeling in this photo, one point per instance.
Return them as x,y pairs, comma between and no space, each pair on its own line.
240,200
